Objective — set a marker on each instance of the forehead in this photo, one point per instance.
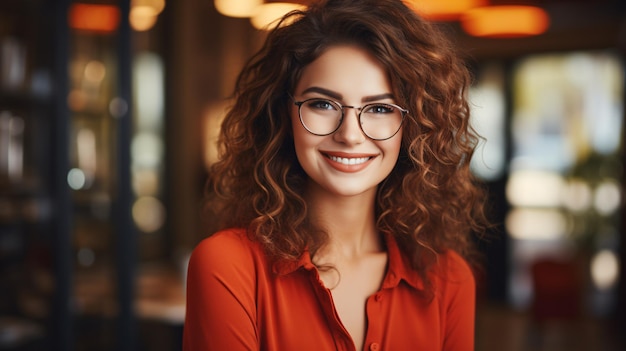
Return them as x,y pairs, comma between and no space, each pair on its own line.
346,69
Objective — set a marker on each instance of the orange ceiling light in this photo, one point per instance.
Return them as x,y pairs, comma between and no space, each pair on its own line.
505,21
268,14
94,18
237,8
144,13
443,10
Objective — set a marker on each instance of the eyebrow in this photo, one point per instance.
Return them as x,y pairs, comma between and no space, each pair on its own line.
338,96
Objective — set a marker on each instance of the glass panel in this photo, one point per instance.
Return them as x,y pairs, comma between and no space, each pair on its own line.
564,186
26,199
488,111
93,85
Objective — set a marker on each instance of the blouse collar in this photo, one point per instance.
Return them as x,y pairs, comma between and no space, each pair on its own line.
398,269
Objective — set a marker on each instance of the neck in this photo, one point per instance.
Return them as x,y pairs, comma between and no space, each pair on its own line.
350,223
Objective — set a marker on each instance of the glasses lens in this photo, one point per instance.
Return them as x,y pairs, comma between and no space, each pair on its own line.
320,116
381,121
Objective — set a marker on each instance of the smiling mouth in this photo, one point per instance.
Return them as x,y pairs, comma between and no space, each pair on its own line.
349,160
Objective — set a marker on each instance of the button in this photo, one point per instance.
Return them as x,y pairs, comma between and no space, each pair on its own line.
374,346
378,297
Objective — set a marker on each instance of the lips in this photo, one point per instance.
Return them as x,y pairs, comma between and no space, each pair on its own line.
346,162
349,161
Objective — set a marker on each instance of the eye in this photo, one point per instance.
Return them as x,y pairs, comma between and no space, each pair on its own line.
322,104
379,109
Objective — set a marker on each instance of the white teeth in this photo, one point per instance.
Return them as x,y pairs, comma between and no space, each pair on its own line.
349,161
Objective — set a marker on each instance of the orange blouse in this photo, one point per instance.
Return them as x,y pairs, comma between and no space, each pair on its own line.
238,300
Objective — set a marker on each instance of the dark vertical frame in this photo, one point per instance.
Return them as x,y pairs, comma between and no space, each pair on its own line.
501,250
620,310
126,251
493,246
62,324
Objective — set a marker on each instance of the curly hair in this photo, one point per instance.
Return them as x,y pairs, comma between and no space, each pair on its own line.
430,202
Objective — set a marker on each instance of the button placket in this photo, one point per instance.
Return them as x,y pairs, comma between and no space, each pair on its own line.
375,328
342,339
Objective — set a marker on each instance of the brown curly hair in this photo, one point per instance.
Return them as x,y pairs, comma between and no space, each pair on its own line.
429,203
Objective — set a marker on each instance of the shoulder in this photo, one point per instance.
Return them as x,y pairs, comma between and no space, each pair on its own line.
225,242
452,268
233,238
225,250
456,265
221,293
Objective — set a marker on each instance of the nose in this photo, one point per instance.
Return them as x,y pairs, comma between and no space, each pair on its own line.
350,132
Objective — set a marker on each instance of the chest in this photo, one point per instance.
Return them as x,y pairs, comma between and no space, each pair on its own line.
350,287
301,313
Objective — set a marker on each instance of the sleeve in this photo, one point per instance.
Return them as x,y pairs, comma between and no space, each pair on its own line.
221,307
460,306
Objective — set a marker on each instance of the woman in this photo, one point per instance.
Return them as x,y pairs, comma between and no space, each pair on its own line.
344,192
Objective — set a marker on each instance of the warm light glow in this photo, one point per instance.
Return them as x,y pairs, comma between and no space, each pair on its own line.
607,197
213,117
142,18
440,10
87,154
267,15
577,195
148,214
604,269
533,188
145,182
237,8
535,224
94,18
144,13
95,71
505,21
156,5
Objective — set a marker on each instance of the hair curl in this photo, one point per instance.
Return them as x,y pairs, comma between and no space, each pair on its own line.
429,202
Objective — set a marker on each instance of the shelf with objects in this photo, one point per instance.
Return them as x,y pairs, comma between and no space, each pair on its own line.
124,286
73,228
27,199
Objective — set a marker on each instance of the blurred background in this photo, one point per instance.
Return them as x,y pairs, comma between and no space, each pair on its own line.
109,112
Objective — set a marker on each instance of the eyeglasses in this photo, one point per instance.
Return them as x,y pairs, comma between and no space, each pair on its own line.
378,121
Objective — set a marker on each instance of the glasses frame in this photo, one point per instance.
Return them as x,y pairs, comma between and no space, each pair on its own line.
360,109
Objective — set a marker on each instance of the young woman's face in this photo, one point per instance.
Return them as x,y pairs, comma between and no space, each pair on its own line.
346,162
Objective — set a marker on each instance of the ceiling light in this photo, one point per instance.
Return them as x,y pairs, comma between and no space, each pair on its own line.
268,15
505,21
439,10
237,8
94,18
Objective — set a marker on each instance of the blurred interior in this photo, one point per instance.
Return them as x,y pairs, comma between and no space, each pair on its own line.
109,112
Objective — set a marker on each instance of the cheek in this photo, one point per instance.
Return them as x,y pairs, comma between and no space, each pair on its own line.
394,146
300,138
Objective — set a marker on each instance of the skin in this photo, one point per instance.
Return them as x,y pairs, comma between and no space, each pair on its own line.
341,197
